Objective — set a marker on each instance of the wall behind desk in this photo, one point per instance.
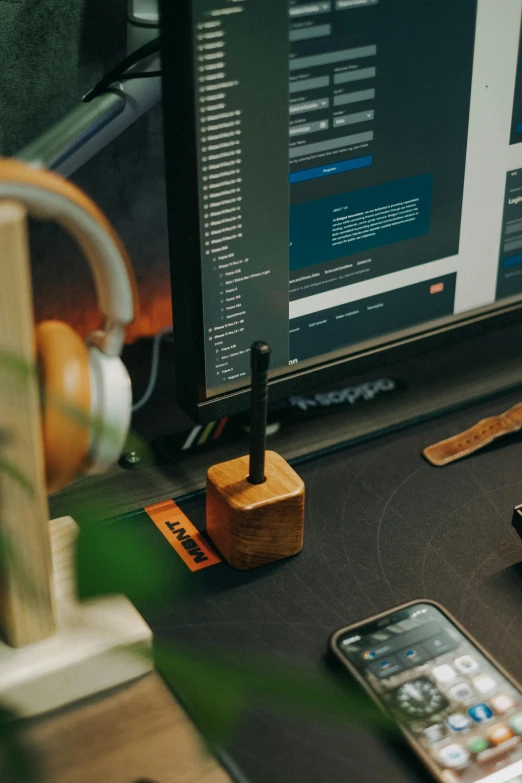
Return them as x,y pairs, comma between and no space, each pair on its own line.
127,180
51,53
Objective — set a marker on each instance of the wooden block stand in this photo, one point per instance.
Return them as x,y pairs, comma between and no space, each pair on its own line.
255,524
57,650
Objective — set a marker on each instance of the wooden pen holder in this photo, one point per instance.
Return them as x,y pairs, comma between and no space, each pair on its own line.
255,524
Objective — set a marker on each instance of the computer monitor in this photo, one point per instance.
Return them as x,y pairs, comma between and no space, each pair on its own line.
344,182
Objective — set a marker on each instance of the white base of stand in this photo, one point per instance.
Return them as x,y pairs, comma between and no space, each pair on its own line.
99,644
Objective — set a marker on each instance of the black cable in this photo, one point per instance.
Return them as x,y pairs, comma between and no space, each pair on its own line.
153,370
118,72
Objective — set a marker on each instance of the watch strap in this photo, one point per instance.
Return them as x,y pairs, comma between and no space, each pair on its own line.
474,439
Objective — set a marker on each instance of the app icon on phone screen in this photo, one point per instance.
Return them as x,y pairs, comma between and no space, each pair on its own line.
444,673
454,756
462,692
502,703
477,744
466,664
516,723
458,722
480,712
499,733
484,684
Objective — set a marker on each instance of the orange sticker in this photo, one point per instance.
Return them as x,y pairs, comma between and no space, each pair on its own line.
182,535
437,288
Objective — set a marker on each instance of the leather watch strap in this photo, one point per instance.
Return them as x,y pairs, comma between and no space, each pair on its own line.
474,439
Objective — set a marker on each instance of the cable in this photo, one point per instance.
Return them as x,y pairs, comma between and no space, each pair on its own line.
153,369
116,73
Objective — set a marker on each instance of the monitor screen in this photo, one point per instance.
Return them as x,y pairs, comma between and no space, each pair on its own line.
357,179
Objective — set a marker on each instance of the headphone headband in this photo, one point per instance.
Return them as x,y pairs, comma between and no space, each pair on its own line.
48,196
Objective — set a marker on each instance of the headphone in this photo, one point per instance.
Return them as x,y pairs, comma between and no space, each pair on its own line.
86,396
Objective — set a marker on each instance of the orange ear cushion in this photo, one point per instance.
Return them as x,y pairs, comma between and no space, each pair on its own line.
63,362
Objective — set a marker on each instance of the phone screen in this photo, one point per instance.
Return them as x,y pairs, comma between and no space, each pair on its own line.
448,696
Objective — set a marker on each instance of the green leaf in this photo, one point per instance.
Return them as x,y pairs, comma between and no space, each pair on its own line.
216,691
110,560
117,558
214,702
18,762
319,696
19,369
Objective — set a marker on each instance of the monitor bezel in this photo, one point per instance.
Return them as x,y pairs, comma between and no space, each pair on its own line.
185,263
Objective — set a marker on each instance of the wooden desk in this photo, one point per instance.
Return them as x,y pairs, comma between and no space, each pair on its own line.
138,733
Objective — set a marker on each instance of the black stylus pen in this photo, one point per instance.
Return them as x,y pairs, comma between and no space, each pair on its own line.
260,360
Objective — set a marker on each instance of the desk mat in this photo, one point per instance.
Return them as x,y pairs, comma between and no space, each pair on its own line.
382,527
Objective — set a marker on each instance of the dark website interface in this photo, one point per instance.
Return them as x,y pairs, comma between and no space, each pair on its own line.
332,151
509,281
450,698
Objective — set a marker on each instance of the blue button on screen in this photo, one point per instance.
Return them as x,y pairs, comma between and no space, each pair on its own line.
512,260
333,168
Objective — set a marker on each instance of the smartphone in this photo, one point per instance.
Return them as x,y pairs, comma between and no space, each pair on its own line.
458,709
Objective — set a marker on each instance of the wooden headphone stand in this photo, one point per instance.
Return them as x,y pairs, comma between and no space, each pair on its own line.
58,650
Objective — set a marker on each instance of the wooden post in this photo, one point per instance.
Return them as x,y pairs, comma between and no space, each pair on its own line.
27,612
70,651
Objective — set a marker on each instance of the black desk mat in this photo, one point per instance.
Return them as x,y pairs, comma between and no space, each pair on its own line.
382,527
